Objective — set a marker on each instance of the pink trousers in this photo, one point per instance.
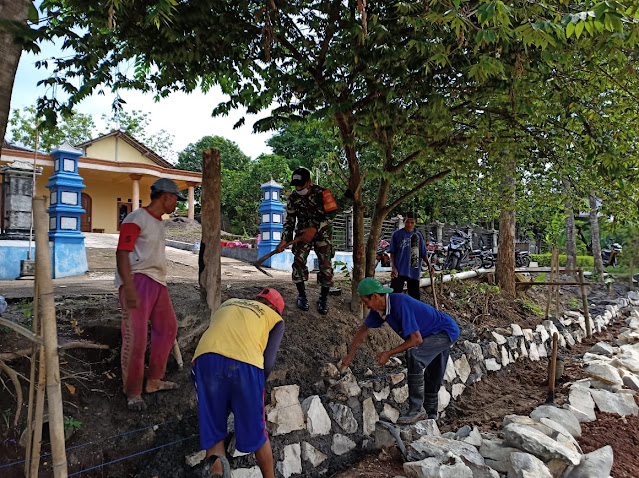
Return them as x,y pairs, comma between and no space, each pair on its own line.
154,306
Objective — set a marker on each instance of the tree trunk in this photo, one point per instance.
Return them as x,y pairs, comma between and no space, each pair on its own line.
571,236
16,11
595,239
505,268
377,221
209,260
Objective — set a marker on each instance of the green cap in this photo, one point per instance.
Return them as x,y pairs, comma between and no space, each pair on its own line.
370,285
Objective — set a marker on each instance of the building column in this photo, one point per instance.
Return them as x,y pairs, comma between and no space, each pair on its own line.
135,195
191,200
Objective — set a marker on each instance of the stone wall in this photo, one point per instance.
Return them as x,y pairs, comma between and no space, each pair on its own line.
309,436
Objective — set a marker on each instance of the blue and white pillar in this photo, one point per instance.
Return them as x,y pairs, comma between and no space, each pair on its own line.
65,186
272,218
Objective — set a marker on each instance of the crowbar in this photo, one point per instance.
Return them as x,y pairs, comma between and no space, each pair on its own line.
258,263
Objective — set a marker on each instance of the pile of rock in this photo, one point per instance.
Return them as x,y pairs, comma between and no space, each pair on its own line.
323,431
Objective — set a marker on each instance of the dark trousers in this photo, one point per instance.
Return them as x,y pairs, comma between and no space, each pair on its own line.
430,358
412,286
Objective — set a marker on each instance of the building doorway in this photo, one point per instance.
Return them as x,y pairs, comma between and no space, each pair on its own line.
124,209
85,219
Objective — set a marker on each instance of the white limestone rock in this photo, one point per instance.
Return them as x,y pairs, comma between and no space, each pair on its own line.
604,373
492,365
473,438
329,370
341,444
462,368
492,349
543,333
457,390
285,414
253,472
619,403
630,380
344,417
526,465
497,453
528,334
312,454
397,377
347,386
581,404
317,420
291,463
504,357
443,399
562,416
601,348
541,349
516,330
450,373
451,467
400,395
195,458
533,354
389,413
594,464
369,417
438,447
500,339
534,441
426,428
473,351
382,394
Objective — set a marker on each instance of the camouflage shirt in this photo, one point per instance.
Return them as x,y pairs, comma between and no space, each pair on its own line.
308,211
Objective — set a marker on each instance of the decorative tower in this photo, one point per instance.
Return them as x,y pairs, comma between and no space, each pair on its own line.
65,186
272,217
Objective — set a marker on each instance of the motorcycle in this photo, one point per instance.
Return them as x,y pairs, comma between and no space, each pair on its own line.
609,255
382,253
436,253
460,253
485,256
522,259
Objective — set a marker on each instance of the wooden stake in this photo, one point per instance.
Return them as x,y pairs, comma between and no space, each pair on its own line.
50,335
552,265
632,286
209,262
432,283
32,379
551,374
557,278
584,301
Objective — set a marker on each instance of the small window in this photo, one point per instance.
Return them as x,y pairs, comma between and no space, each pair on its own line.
267,195
276,195
266,218
266,236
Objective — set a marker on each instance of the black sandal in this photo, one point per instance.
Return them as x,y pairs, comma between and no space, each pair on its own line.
208,464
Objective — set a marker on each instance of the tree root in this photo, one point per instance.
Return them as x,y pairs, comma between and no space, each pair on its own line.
7,356
16,383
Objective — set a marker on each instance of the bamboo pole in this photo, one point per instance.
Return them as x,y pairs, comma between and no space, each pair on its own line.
584,301
432,284
32,378
50,335
552,369
557,277
39,416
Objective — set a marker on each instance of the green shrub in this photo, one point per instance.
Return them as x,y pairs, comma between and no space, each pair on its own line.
587,262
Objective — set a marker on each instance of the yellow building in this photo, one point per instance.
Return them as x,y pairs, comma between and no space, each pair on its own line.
117,171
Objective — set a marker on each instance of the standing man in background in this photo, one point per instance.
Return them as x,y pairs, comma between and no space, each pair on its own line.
310,212
407,250
144,296
230,366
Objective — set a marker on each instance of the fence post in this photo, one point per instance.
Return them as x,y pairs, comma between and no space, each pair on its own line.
584,301
348,240
440,231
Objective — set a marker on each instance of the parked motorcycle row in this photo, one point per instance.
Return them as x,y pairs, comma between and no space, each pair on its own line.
459,254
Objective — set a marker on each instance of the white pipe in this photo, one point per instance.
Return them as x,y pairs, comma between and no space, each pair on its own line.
449,277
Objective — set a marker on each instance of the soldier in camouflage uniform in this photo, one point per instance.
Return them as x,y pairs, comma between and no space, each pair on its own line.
310,211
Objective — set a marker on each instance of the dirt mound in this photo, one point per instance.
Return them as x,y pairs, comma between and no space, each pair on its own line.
182,224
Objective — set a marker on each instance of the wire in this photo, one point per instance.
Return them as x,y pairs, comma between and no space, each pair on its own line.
133,455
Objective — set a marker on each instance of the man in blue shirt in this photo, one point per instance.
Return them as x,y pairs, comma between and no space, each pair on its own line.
428,335
407,250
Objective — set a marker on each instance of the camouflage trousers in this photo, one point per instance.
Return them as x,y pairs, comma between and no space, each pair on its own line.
324,249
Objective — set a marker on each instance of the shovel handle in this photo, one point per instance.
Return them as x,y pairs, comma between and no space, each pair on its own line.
259,262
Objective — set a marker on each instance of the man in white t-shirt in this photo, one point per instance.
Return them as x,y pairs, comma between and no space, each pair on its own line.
144,297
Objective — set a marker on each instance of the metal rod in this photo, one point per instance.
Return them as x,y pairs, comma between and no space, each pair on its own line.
551,372
584,301
550,283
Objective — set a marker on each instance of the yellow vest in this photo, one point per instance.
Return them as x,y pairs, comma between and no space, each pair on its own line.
239,330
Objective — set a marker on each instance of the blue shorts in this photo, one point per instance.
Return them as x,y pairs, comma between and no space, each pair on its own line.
223,383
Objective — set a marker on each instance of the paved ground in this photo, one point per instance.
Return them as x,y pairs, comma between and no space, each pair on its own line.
182,267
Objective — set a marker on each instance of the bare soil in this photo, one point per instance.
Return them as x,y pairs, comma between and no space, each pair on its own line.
105,432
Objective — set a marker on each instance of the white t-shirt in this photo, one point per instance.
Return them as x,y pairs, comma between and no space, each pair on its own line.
142,234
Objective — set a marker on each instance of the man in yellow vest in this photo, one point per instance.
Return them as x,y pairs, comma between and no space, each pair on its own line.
231,363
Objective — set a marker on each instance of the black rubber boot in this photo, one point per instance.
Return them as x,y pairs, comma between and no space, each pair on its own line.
302,301
322,302
431,401
416,410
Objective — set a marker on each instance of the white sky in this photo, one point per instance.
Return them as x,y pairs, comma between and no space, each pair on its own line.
186,117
